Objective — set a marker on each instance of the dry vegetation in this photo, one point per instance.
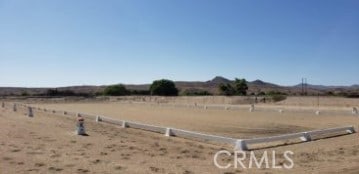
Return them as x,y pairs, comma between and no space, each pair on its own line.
47,144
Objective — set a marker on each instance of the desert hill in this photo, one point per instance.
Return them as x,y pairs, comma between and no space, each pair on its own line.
210,86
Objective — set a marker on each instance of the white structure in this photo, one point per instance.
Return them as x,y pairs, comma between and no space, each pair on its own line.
317,112
29,112
98,118
124,124
280,110
242,144
251,109
354,111
168,132
238,144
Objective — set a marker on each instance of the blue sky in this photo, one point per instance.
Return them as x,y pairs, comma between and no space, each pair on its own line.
86,42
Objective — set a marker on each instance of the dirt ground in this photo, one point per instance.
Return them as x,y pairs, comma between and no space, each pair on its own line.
48,144
236,123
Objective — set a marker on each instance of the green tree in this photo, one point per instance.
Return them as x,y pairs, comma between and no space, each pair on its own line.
195,92
116,90
52,92
241,86
163,87
24,93
261,93
226,89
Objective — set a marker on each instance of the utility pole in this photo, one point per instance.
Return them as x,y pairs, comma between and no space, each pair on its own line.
302,86
306,86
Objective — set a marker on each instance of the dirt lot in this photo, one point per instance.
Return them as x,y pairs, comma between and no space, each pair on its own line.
237,123
47,143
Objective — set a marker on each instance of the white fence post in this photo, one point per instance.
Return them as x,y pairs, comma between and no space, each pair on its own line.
354,111
30,113
98,119
306,137
317,112
351,130
251,109
168,132
124,124
241,145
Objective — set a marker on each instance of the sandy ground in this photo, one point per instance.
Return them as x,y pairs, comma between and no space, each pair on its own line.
233,123
47,143
335,102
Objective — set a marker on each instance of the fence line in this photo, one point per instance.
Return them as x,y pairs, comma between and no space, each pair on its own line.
303,136
280,109
203,137
238,144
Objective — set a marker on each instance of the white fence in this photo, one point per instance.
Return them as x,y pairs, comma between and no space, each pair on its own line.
255,108
238,144
303,136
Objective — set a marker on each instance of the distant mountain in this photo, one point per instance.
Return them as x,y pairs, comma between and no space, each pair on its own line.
262,83
259,82
219,80
211,86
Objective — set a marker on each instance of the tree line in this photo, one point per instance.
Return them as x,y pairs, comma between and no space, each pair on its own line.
164,87
161,87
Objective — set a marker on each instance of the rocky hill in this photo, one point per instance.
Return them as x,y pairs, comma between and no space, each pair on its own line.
210,86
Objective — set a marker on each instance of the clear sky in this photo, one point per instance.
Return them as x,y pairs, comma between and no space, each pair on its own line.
51,43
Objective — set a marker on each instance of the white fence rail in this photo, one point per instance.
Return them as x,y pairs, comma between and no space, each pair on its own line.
348,129
239,144
303,136
146,127
110,120
202,137
254,108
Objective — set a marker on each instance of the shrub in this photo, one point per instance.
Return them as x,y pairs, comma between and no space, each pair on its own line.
353,95
195,92
261,93
226,89
52,92
116,90
163,87
277,98
140,92
241,86
24,93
